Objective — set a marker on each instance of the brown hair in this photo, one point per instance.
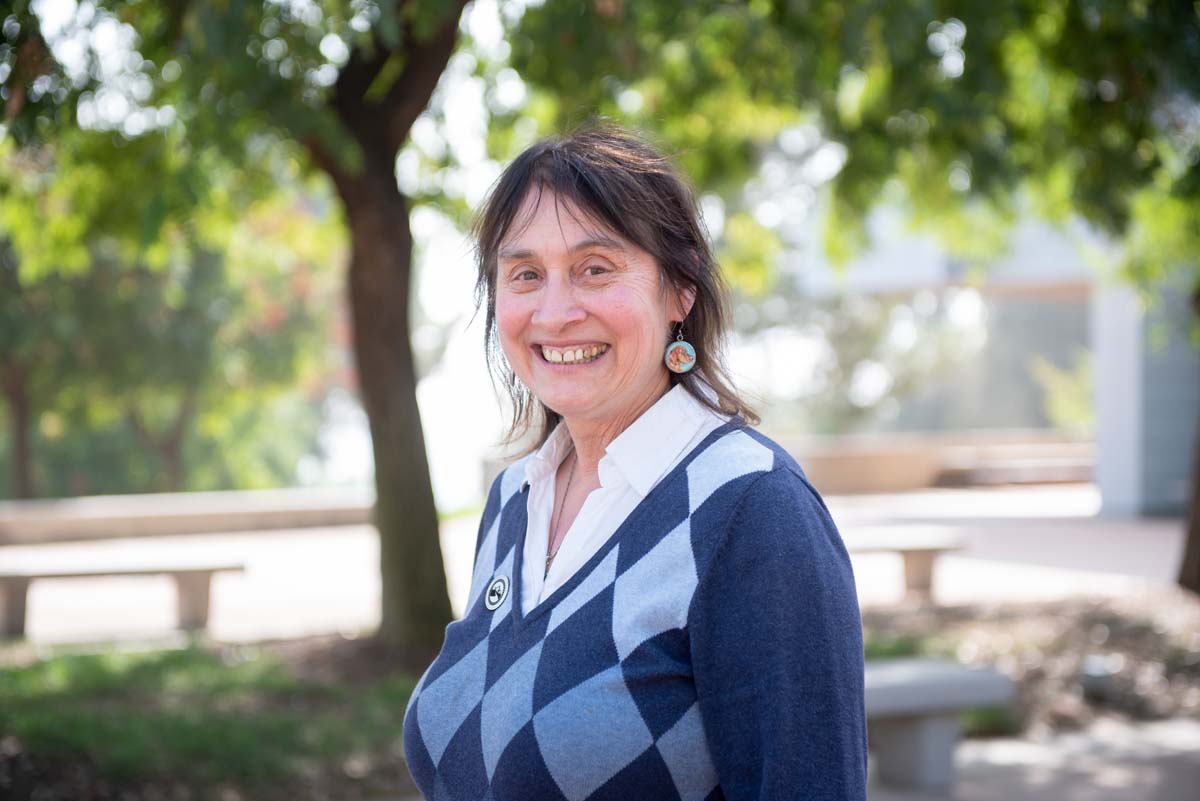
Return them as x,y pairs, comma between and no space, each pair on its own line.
625,184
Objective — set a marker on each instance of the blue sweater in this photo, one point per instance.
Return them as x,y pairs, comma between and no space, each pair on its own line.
711,649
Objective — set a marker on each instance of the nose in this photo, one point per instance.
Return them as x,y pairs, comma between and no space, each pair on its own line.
557,305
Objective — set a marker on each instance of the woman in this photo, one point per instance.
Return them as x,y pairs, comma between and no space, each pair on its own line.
661,605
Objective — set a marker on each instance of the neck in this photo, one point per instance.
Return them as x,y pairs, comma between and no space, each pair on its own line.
591,436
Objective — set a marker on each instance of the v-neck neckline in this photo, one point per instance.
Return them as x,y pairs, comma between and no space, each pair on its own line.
520,620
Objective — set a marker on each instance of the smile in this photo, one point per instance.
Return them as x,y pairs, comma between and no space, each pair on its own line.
578,355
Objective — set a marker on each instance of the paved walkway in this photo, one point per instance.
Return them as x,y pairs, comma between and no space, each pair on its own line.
1110,761
1022,544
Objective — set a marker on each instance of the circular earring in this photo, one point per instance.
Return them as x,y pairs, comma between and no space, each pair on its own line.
680,356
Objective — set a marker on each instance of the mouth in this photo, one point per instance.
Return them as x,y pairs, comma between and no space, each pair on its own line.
579,354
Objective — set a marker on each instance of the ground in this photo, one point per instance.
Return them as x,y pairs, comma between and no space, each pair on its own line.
1136,657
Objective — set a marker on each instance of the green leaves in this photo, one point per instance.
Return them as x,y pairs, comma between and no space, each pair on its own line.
1081,106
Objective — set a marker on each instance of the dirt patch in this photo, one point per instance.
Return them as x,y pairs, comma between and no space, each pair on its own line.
1136,656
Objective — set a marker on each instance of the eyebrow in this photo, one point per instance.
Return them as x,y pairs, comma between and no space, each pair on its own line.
597,241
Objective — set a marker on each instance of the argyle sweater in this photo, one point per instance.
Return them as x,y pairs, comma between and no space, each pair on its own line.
711,649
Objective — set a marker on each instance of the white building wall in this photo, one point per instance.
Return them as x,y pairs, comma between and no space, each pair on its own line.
1147,385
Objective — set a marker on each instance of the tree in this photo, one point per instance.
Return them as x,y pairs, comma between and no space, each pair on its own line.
971,109
335,84
133,345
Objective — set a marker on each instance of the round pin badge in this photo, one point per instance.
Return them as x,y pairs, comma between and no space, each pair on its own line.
497,592
680,357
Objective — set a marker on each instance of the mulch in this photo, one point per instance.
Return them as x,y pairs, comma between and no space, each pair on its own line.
1135,657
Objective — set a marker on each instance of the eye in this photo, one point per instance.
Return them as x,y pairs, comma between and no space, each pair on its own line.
595,269
525,275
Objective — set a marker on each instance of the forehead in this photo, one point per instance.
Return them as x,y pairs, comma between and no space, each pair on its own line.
546,221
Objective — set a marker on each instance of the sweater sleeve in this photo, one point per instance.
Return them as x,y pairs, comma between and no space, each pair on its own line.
777,651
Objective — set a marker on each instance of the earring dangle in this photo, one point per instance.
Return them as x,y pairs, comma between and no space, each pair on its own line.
680,356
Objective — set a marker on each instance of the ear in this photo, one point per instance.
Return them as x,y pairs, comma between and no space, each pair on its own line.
682,303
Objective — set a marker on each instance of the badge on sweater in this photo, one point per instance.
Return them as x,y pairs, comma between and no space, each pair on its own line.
496,593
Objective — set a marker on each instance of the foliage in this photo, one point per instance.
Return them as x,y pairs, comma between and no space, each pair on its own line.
195,716
136,369
991,721
879,646
845,361
1079,107
1068,393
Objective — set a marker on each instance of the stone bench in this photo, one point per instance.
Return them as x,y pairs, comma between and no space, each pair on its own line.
913,707
193,581
918,547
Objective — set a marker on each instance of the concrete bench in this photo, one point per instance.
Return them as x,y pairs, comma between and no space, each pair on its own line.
913,708
193,580
918,547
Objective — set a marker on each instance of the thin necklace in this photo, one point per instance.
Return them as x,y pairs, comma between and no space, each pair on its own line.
558,517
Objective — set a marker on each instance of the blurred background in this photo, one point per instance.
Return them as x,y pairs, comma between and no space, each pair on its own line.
246,424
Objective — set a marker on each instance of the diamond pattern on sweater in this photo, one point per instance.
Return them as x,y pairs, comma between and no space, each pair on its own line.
578,649
601,576
463,759
508,706
659,677
577,700
449,699
486,556
603,707
691,769
651,588
737,455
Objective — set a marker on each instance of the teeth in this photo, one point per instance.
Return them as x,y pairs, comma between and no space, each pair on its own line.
573,356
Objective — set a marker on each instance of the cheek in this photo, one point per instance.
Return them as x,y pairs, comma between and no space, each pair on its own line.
511,321
638,319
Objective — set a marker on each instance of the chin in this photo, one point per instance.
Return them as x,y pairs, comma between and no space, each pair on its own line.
573,406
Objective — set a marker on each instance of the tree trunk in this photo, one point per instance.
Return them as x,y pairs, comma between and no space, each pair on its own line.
16,392
415,606
1189,570
415,603
172,443
168,445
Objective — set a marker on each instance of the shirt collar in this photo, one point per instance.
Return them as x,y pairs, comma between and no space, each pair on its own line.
646,449
642,452
546,459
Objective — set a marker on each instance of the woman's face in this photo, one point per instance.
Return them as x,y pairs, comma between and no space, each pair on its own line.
581,313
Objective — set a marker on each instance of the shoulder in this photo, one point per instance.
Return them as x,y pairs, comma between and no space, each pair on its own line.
739,462
748,493
507,484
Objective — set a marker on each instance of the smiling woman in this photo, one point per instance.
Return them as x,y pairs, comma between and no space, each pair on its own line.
582,319
661,605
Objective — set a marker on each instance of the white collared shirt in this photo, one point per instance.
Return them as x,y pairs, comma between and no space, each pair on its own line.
633,463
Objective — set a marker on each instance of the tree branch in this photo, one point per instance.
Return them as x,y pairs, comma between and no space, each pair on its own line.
355,78
187,410
424,64
327,162
134,418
